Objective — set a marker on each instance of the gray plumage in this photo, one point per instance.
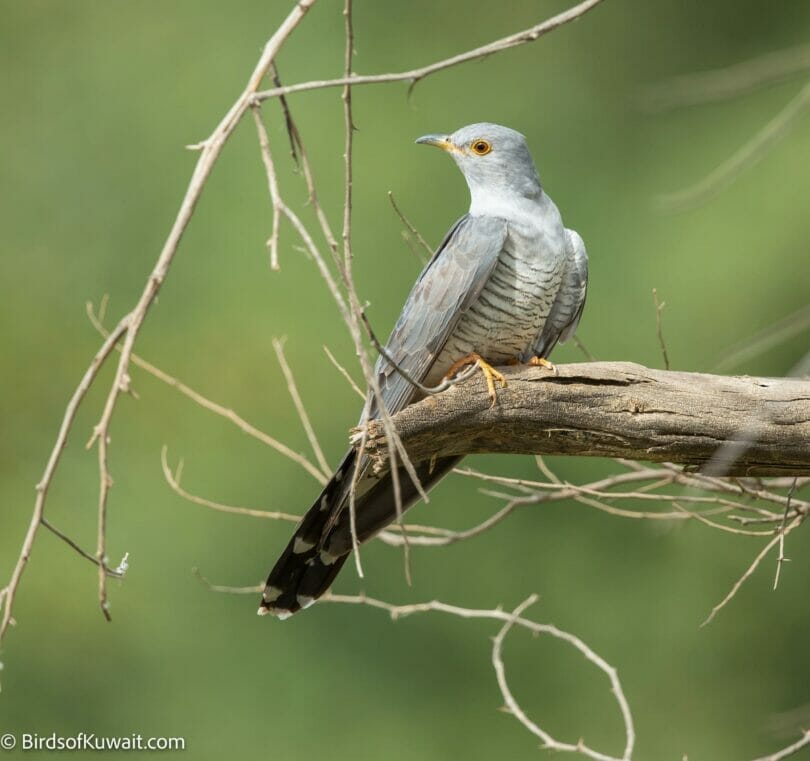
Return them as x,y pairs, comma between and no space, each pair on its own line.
507,282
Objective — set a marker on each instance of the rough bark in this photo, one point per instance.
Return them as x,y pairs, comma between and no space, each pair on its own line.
725,425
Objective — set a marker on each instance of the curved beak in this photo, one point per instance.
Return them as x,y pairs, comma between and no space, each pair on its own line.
440,141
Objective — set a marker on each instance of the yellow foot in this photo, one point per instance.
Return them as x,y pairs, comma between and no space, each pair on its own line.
490,373
542,362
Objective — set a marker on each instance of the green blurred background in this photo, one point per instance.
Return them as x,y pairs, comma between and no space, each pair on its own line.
99,100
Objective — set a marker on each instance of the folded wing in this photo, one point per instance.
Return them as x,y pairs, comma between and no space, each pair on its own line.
449,284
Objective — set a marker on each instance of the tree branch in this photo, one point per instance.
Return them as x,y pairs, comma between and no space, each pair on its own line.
617,409
532,34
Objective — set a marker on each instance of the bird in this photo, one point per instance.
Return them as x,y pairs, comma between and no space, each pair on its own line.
507,282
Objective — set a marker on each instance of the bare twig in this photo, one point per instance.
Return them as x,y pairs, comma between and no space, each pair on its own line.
792,325
211,149
509,620
415,75
751,568
411,229
9,592
659,307
748,155
173,479
559,491
227,589
730,81
584,349
427,390
348,145
292,130
278,346
306,169
781,559
803,741
349,311
130,325
513,707
218,409
720,526
345,373
86,555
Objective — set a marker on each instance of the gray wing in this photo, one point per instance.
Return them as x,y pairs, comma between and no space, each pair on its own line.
564,317
446,288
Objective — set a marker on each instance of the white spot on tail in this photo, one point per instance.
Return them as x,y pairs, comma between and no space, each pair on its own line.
280,614
305,601
324,503
327,558
338,475
300,545
270,594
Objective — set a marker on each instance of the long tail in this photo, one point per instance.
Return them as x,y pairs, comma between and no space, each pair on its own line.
322,542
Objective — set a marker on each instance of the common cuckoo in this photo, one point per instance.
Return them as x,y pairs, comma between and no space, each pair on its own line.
506,284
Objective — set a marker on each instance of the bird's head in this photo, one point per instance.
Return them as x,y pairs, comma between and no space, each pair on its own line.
492,158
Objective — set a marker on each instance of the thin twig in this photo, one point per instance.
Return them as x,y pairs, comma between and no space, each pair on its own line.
227,589
348,146
427,390
415,75
411,229
173,479
131,323
719,526
278,346
343,266
781,558
750,570
345,373
302,159
584,349
792,325
86,555
514,708
511,620
9,592
288,120
730,81
790,750
350,311
744,158
659,307
218,409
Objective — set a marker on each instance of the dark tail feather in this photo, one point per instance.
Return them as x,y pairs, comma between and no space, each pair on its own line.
285,591
322,542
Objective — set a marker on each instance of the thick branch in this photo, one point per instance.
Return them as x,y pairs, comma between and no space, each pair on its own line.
740,425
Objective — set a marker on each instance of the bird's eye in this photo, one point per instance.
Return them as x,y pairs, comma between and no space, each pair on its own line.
480,147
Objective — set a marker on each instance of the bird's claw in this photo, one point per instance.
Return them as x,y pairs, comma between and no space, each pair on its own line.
491,375
542,362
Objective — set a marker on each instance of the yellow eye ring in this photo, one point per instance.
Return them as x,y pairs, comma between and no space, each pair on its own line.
480,147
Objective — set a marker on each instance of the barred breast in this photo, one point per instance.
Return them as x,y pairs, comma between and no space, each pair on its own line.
516,300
